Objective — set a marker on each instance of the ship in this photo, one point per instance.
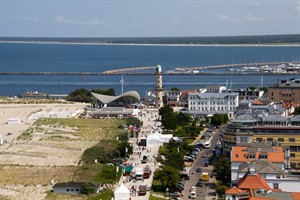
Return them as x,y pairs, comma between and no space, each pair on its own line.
34,94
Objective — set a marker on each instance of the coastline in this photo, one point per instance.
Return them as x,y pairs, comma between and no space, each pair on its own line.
146,44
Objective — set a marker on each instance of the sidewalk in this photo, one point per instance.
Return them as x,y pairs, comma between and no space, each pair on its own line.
149,126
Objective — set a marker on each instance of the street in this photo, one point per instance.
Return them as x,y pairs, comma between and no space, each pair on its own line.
202,192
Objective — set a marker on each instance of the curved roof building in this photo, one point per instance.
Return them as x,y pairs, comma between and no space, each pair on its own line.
127,98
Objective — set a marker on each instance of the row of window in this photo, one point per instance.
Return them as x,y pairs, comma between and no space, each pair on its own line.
259,140
211,103
213,108
221,98
72,190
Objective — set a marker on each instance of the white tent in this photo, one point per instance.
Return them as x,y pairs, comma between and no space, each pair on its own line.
153,140
122,193
157,139
165,138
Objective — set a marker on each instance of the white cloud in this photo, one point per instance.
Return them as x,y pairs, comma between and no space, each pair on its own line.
252,18
26,18
228,18
64,20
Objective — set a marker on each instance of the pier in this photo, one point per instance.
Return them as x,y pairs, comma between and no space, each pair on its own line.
180,70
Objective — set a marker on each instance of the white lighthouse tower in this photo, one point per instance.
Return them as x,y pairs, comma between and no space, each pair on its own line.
159,89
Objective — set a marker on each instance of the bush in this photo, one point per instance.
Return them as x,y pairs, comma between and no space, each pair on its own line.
84,189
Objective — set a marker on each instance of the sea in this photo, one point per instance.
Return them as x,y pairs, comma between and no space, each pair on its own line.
30,57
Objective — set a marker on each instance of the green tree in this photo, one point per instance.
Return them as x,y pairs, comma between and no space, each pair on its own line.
184,118
122,146
265,89
219,119
220,188
297,111
167,176
175,89
165,111
85,189
251,87
175,160
170,121
222,168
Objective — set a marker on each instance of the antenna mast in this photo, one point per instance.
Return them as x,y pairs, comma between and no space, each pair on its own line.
122,84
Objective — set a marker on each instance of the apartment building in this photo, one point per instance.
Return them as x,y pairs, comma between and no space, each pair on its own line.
287,90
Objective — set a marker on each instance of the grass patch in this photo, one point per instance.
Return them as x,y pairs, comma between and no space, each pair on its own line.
158,187
163,150
155,198
105,194
34,175
108,175
26,135
88,172
88,129
190,140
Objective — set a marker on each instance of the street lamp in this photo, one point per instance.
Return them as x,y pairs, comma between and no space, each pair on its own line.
167,193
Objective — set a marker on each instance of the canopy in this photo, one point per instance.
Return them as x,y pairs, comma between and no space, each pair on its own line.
157,139
122,193
128,169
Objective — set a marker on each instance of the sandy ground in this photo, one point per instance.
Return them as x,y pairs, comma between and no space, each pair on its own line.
36,152
29,113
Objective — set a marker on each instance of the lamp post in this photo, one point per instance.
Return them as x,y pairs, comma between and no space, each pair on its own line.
167,193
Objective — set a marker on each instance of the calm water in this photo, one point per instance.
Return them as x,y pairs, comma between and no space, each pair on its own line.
94,58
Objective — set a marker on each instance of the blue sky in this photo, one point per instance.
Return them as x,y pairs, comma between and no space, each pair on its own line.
147,18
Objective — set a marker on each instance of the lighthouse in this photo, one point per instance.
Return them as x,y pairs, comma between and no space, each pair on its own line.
158,88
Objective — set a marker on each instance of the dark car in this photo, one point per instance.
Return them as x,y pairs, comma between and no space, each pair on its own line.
199,184
206,163
198,169
184,176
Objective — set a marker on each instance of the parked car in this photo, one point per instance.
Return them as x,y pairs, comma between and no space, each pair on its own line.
198,169
199,184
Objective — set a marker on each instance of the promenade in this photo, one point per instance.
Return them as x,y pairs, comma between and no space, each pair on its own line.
150,125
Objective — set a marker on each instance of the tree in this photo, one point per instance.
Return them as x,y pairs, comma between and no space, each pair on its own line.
175,89
219,119
165,111
85,189
175,160
184,118
265,89
220,188
169,118
167,176
222,168
170,121
251,87
297,111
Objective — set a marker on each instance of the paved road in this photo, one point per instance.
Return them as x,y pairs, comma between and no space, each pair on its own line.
202,192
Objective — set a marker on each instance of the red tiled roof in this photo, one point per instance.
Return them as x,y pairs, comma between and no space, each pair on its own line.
250,181
296,195
235,191
260,198
257,102
240,154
